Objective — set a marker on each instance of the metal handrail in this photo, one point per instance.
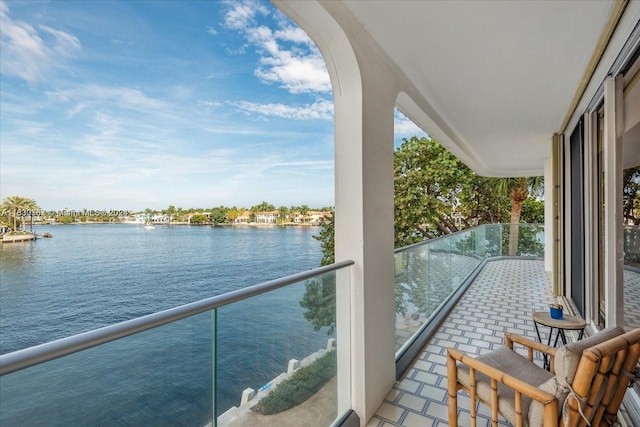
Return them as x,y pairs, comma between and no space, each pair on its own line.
31,356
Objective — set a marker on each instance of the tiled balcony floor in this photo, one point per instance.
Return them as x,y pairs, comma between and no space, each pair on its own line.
631,299
502,298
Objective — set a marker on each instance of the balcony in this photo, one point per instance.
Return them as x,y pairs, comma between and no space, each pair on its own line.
461,291
501,298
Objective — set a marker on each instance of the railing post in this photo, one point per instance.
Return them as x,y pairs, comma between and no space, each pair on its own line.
214,367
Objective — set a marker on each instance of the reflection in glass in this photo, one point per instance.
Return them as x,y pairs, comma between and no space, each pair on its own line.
427,274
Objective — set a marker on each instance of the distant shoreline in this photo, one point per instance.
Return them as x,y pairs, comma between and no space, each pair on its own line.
243,225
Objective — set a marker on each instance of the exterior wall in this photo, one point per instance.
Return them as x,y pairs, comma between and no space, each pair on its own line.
602,233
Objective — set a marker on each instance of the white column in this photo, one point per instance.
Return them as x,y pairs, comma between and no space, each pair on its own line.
363,81
613,226
364,232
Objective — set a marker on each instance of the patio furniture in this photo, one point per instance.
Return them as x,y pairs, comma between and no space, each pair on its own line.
567,323
586,383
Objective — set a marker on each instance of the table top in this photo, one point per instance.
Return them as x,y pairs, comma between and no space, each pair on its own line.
567,322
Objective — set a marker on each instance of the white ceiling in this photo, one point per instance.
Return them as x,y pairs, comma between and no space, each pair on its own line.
501,74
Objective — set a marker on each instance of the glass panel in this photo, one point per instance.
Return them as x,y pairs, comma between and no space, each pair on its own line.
276,356
600,215
493,240
463,256
426,275
439,284
531,240
197,371
631,275
411,291
159,377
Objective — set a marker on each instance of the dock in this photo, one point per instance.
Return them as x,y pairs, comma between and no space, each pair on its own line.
17,238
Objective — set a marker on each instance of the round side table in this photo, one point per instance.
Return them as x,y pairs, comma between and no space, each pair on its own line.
567,323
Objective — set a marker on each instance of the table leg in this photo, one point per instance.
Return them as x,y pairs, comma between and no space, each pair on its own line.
535,325
558,336
564,338
546,362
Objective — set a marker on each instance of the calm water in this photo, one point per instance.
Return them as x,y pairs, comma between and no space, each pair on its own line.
88,276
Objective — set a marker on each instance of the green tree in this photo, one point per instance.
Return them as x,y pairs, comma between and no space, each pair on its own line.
283,212
304,210
631,195
171,212
319,296
263,207
428,182
435,194
518,190
66,219
18,206
533,211
320,301
480,204
327,240
218,214
32,207
199,219
233,214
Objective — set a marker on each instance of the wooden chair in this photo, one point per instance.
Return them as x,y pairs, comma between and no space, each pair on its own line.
586,382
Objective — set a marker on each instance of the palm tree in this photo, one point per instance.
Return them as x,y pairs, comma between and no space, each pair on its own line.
15,204
32,206
171,211
304,210
234,213
263,207
518,190
283,211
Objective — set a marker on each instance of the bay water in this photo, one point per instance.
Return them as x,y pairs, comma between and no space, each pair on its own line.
90,276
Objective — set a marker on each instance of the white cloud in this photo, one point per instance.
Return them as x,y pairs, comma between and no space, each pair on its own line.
119,42
65,44
123,97
293,34
288,56
405,127
241,14
305,166
319,110
297,74
210,104
129,143
76,109
212,31
29,53
106,125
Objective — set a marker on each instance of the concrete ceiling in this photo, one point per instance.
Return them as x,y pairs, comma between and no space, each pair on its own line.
501,74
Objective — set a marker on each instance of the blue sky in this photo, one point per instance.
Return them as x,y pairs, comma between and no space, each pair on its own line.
142,104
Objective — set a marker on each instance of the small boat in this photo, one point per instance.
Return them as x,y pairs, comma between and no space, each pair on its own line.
148,226
47,235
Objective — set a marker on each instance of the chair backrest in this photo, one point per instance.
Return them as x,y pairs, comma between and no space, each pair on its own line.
602,377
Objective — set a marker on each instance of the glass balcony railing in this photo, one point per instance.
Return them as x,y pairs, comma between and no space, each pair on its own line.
247,358
631,276
429,273
631,245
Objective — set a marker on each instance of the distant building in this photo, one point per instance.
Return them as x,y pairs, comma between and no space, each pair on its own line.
270,217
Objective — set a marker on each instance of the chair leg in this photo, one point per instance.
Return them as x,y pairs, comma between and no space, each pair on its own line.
452,390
